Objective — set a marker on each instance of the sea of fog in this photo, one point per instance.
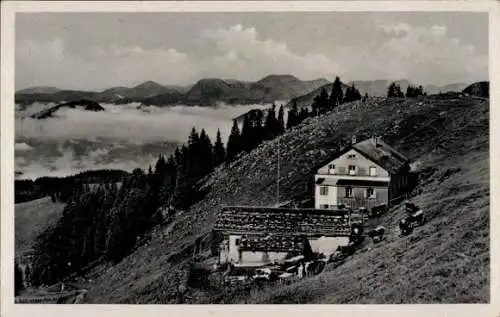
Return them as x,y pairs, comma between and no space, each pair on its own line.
122,137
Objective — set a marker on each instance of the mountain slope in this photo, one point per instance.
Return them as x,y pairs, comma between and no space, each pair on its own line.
453,248
32,218
285,87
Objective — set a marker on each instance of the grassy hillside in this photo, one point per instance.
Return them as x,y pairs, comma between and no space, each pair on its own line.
32,218
445,261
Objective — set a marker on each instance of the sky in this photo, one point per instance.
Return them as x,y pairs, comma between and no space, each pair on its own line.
95,51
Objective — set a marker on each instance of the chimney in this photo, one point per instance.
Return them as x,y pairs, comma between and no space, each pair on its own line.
353,139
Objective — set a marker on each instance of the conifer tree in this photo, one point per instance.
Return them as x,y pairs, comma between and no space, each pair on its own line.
304,113
233,143
365,98
205,154
316,106
337,95
394,90
179,161
219,151
281,120
257,128
323,101
293,115
271,124
352,94
192,156
160,165
246,134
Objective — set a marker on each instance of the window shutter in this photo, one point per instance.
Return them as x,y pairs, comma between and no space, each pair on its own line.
362,171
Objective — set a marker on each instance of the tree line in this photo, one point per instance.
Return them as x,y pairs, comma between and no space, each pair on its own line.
103,223
325,102
394,90
60,188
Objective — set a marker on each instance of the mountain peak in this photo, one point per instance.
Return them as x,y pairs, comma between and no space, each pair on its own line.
149,85
279,77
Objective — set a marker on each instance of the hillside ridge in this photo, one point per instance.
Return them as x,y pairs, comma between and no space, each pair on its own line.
155,271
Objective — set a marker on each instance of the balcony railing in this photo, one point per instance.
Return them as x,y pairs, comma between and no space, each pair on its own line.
350,173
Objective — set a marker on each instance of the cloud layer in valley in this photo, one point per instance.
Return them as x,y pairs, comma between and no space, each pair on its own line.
121,49
123,136
131,123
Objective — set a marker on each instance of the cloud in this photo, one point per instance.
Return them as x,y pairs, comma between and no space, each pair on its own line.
241,51
69,164
98,68
123,136
417,54
424,51
130,124
390,50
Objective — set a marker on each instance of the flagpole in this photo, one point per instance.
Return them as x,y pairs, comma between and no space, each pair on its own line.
278,182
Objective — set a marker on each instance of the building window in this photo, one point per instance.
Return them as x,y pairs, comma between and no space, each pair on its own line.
323,190
373,171
323,206
348,192
351,156
331,169
236,241
352,170
370,193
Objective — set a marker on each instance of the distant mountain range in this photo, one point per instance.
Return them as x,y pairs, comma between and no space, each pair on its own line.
210,91
206,92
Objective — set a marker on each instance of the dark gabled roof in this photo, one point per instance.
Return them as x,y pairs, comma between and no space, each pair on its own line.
376,151
381,153
283,221
361,183
272,243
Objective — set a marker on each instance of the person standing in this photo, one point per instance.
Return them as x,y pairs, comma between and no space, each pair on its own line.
300,270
